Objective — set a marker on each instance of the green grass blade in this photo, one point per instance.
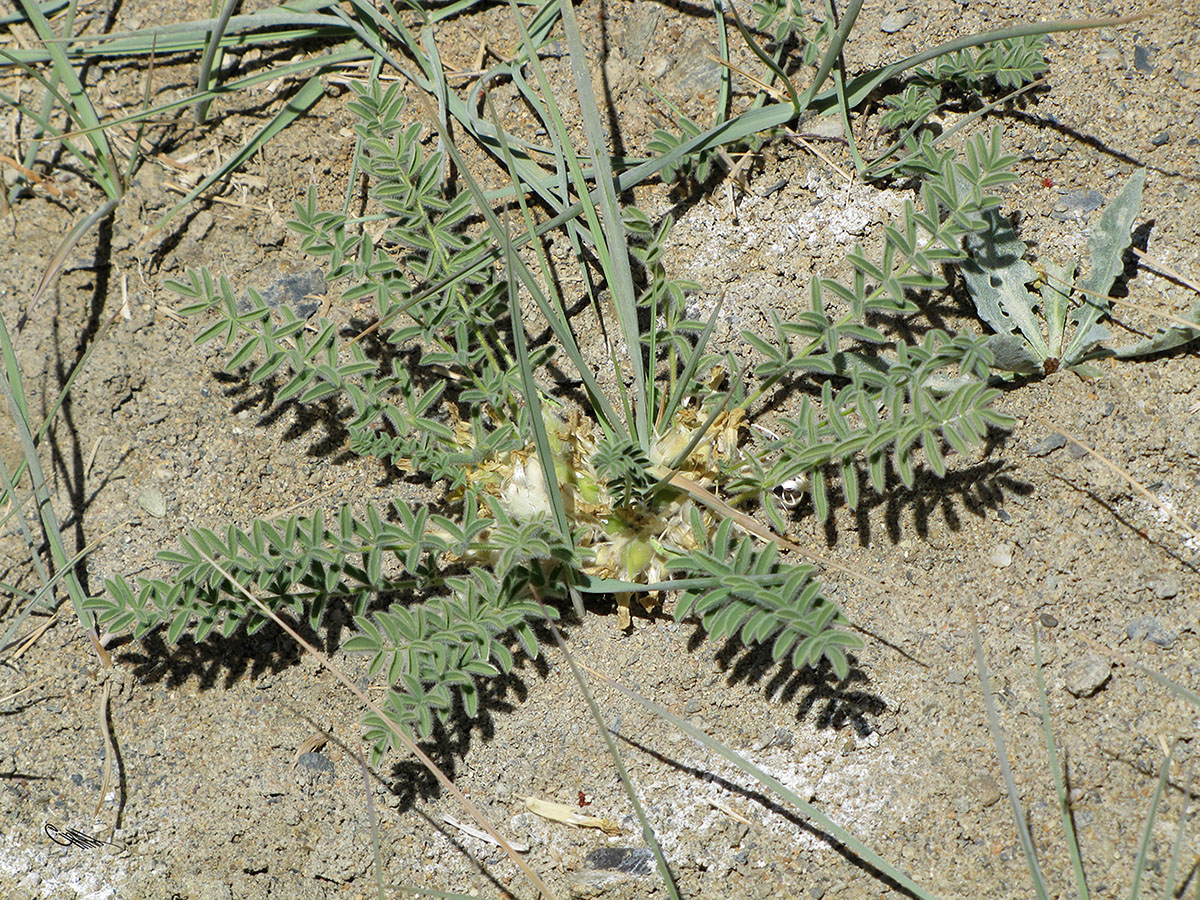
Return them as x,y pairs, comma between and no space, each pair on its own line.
567,171
611,243
835,831
553,317
68,244
1035,870
772,64
79,107
533,399
591,231
212,55
342,57
832,54
1060,788
664,868
46,130
13,392
1180,831
735,129
726,90
839,85
9,493
552,308
49,8
48,584
1139,866
861,87
689,370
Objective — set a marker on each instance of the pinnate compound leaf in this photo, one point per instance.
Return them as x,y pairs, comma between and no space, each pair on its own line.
755,597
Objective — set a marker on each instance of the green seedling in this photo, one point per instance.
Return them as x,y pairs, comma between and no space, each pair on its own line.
1058,323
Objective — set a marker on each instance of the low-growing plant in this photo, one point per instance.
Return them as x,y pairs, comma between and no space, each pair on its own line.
654,483
998,274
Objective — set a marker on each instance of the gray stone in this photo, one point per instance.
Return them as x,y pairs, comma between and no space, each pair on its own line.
696,69
1151,628
1076,205
895,21
640,26
151,499
1047,445
293,286
1165,585
315,766
1002,556
1088,674
826,127
985,789
629,860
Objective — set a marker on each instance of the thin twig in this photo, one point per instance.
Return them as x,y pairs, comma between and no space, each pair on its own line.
109,748
1154,264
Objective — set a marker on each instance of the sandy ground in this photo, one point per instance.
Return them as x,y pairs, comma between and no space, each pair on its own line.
211,796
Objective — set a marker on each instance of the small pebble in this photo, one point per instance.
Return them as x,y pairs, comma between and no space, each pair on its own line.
696,70
1161,138
153,502
826,127
1003,516
1076,451
315,765
1076,204
1087,675
1002,556
894,22
985,789
1151,628
156,414
1141,58
1047,445
773,188
300,290
1048,621
630,860
1165,586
